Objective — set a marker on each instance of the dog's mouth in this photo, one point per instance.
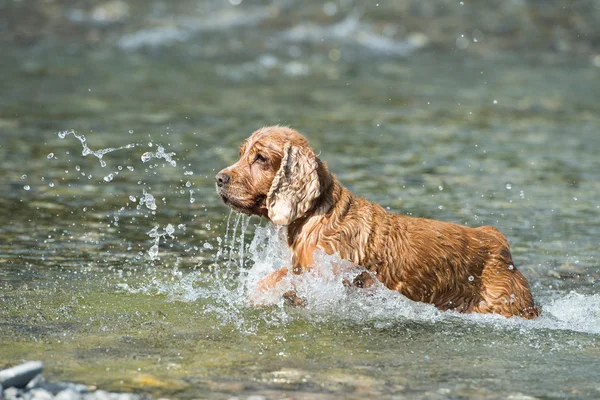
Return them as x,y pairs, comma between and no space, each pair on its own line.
256,206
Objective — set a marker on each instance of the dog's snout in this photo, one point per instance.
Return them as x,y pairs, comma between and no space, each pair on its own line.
222,179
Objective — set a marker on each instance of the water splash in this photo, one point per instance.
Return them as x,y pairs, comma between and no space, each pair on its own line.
160,153
232,293
156,235
87,151
148,200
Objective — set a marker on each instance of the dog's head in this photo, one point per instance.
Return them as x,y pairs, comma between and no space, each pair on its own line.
278,176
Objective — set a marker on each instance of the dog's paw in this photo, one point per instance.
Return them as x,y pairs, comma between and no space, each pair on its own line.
364,280
293,299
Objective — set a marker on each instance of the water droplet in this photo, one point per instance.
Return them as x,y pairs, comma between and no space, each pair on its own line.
441,187
26,187
51,184
132,198
50,156
188,184
508,186
471,278
23,176
170,229
495,101
108,178
130,131
511,267
77,168
153,252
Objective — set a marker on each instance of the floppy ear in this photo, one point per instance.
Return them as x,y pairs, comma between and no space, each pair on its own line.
295,187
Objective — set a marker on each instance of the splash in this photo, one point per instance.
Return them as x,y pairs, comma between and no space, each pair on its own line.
157,235
87,151
146,204
233,293
159,153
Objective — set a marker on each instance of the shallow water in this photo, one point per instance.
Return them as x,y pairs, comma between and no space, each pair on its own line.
122,269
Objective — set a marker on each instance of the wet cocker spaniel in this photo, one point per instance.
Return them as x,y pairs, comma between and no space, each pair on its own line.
279,177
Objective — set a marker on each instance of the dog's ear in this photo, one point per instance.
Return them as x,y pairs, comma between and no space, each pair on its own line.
295,187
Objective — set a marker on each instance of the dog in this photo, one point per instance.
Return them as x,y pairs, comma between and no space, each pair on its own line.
454,267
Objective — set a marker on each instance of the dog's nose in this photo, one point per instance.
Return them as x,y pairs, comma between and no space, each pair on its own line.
222,179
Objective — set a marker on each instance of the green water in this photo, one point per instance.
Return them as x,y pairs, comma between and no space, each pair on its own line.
510,140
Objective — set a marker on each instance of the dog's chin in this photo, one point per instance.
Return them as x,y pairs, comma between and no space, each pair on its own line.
256,207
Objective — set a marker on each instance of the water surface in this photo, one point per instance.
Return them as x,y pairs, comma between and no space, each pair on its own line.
122,269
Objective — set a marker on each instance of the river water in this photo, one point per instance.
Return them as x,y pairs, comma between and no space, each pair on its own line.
121,268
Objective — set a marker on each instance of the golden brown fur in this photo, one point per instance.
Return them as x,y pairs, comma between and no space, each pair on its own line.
454,267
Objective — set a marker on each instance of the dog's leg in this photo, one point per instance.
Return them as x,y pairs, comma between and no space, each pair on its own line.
504,290
271,280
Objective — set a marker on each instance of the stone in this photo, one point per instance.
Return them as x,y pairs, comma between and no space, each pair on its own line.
20,375
68,394
98,395
40,394
57,387
11,393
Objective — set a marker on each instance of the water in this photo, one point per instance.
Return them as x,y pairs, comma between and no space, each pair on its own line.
121,268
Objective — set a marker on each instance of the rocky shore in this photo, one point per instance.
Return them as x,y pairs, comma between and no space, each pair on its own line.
25,382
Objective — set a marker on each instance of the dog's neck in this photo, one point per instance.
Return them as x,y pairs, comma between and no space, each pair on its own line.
305,234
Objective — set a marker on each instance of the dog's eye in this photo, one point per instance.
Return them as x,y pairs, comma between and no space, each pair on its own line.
260,159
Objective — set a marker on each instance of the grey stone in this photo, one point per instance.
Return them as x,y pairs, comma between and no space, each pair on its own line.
40,394
124,396
68,394
36,382
20,375
12,393
57,387
98,395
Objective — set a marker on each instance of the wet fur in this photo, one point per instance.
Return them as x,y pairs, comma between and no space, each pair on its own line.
451,266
